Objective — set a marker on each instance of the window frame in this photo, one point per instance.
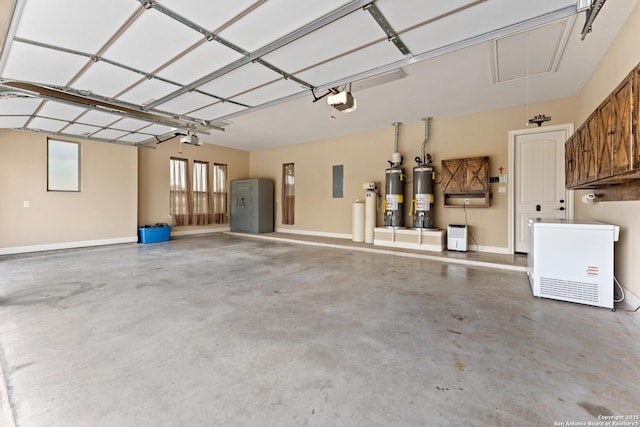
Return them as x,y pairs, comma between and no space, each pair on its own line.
288,193
222,216
77,170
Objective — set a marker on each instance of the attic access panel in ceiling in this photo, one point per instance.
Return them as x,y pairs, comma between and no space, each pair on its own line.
529,53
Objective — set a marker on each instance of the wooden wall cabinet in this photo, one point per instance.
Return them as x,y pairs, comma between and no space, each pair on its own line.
605,150
465,179
571,159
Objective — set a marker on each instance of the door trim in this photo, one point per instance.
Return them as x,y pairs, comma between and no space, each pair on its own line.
568,128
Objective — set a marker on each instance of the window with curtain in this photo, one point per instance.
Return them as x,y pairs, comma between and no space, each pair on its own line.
220,215
202,206
288,193
179,191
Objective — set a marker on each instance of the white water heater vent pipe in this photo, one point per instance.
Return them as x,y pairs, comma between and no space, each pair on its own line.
426,159
396,158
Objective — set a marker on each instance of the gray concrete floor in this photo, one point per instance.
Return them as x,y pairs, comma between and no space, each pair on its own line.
225,330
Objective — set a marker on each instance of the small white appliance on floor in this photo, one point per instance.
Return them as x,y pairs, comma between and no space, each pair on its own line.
572,260
457,237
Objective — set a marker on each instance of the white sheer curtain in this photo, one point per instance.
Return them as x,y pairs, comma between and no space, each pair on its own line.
179,191
288,193
220,214
202,206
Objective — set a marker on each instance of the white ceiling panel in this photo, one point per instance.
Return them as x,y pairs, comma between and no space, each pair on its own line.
217,110
478,20
59,24
135,138
8,122
272,91
98,118
49,125
41,65
406,13
80,129
203,60
374,56
147,91
110,134
327,42
106,80
274,19
152,40
188,102
57,110
209,14
244,78
156,129
129,124
19,106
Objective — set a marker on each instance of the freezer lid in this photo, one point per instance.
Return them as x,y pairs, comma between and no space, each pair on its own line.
575,223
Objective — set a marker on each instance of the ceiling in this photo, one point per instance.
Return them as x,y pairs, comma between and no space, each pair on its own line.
245,74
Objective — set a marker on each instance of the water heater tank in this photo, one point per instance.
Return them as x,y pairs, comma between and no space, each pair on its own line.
423,177
394,197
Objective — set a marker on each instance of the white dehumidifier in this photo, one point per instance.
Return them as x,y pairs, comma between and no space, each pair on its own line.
457,237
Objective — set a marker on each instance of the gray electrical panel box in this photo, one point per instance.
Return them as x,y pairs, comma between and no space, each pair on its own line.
252,205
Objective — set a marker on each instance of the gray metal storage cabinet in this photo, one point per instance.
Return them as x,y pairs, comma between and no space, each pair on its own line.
252,205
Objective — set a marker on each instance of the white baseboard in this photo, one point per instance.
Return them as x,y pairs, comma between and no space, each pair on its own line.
314,233
199,231
492,249
66,245
631,301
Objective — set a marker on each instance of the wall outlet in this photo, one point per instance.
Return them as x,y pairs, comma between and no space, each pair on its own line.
26,204
466,201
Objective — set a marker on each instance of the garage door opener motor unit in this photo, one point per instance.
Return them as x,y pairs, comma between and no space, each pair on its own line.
457,237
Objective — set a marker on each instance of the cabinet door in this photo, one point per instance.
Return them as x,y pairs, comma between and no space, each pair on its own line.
605,134
587,150
241,205
477,175
621,147
635,121
571,150
453,176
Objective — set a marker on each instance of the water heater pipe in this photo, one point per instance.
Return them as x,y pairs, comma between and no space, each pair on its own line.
426,138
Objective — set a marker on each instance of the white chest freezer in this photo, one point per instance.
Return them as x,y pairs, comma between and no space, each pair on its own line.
572,260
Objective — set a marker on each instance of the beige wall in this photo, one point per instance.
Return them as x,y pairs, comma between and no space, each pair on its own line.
365,156
621,57
105,209
153,169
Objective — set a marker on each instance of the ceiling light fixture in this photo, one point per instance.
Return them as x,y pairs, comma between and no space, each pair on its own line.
343,101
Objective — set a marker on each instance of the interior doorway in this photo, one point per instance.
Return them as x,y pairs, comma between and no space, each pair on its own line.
537,190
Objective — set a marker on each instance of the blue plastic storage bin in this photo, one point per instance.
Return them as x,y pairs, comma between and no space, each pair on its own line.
154,234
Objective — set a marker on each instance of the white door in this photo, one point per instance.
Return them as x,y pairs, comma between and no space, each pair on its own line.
538,179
